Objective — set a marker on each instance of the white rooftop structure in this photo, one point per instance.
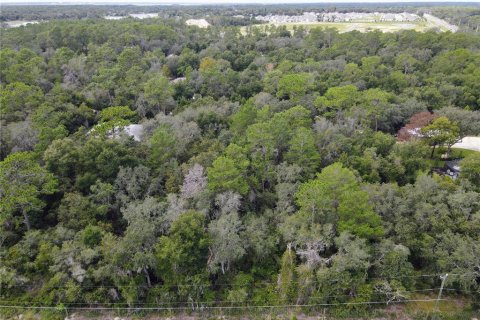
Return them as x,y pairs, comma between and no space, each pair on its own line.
143,15
135,131
114,17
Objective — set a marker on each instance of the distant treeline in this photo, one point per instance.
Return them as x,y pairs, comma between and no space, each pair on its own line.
50,12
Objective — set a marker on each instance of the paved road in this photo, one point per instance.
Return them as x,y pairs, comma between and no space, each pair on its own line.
469,143
442,24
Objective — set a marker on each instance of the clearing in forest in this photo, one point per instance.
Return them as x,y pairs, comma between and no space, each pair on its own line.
429,22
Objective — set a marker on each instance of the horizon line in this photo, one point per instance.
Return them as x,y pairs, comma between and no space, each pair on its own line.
241,2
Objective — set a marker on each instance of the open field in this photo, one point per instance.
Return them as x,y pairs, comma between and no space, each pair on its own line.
342,27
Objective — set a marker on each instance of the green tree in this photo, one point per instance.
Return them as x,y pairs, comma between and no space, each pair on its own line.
406,63
441,132
47,135
158,94
466,120
184,251
391,264
62,158
227,246
337,99
303,151
241,288
471,168
216,78
113,119
375,103
412,156
18,100
335,197
162,146
225,175
76,212
346,277
117,113
460,254
22,182
287,276
246,116
294,86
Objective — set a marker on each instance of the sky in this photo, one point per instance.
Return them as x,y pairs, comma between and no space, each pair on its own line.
212,1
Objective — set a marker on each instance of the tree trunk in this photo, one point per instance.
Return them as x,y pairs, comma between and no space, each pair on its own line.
449,149
26,219
147,276
433,151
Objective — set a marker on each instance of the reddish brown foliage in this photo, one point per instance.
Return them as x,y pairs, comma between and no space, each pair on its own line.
412,129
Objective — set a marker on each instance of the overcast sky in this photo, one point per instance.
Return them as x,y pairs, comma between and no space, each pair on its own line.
211,1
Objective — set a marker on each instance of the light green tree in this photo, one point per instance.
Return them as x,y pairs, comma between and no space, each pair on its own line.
113,119
335,197
158,94
471,168
337,99
287,276
246,116
162,146
225,175
441,132
184,251
18,100
303,151
294,86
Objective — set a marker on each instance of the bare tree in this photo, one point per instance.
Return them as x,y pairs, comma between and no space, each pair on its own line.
195,182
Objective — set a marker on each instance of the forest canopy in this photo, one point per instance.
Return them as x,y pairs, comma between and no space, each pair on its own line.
151,163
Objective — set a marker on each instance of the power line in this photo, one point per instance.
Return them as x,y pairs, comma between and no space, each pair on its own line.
240,285
213,302
226,307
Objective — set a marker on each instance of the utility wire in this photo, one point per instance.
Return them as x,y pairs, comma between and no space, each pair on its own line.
115,305
211,302
225,307
239,285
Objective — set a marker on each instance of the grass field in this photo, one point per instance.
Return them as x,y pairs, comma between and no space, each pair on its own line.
342,27
451,308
